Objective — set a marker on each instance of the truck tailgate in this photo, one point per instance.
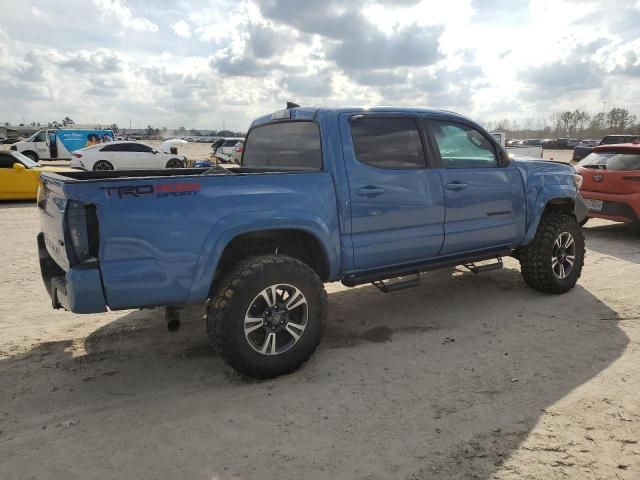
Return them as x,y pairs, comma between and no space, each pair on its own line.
51,205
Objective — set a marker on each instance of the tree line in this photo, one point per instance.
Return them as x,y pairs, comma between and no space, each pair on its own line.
576,124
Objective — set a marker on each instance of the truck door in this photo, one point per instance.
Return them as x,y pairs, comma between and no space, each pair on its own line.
397,200
485,204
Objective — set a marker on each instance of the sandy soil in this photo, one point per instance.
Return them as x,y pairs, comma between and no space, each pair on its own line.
464,377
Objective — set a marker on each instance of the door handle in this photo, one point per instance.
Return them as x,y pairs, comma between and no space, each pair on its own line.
370,191
456,185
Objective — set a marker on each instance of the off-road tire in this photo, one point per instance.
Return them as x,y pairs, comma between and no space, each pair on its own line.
226,313
535,258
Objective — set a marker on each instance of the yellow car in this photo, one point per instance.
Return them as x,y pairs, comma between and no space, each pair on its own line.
19,176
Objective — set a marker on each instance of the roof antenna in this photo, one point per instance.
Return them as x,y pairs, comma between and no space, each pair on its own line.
291,105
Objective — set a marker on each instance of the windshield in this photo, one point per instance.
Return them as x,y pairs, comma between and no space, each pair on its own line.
611,161
39,136
26,161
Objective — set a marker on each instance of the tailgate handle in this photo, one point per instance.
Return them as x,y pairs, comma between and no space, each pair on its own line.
370,191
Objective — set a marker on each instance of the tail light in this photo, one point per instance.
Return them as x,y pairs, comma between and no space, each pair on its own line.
82,231
77,155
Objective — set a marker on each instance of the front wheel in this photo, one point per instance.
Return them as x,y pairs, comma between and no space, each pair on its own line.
32,156
553,262
268,315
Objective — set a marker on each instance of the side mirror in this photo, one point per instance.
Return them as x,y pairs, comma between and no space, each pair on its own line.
155,152
18,166
504,159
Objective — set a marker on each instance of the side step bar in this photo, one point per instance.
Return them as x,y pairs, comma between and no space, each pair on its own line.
378,277
400,284
472,267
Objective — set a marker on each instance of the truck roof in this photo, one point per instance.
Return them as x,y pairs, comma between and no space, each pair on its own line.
309,113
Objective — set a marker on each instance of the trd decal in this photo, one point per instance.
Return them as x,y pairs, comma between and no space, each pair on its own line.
160,190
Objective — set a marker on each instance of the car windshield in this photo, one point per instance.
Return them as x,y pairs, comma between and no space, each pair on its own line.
611,161
26,161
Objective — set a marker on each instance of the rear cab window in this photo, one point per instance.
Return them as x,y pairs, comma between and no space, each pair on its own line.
291,145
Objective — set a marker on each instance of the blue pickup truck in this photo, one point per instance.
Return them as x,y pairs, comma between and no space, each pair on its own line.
360,195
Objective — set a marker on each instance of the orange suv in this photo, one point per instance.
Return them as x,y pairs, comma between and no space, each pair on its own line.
611,182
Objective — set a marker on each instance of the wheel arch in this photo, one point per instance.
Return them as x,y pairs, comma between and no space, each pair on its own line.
306,238
27,152
550,202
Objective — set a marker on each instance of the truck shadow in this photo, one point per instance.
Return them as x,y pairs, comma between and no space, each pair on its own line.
617,240
443,381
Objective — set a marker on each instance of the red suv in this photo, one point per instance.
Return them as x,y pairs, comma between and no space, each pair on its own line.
611,182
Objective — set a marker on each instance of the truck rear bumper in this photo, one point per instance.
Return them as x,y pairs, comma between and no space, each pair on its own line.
79,290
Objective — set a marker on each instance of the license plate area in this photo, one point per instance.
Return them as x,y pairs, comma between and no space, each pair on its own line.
594,205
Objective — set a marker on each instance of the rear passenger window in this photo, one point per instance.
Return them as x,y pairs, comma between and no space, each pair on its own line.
391,143
462,146
286,146
112,148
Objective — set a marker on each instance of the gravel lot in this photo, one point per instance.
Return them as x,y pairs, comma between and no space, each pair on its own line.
465,377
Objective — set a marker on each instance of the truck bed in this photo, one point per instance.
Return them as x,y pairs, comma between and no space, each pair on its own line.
159,233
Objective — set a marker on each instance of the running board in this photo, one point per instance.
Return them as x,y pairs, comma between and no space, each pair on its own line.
472,267
401,284
416,269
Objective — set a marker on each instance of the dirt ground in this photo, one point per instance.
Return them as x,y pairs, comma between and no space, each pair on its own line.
465,377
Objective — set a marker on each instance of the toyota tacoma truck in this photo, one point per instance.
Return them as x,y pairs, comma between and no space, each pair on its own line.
358,195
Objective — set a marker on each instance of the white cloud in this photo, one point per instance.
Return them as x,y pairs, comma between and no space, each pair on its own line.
182,29
247,57
118,11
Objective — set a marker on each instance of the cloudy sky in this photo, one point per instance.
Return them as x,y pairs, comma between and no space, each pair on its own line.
198,63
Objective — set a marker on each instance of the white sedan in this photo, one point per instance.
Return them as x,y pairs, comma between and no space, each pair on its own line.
124,156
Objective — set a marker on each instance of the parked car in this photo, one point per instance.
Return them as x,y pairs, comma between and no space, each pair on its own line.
124,156
581,151
222,149
236,156
57,144
611,185
255,244
19,176
518,148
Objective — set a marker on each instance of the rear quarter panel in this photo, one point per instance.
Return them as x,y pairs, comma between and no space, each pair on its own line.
163,249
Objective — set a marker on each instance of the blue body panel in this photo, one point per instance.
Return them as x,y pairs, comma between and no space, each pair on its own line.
164,249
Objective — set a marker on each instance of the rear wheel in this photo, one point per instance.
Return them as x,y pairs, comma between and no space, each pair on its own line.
268,316
175,163
102,166
553,262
